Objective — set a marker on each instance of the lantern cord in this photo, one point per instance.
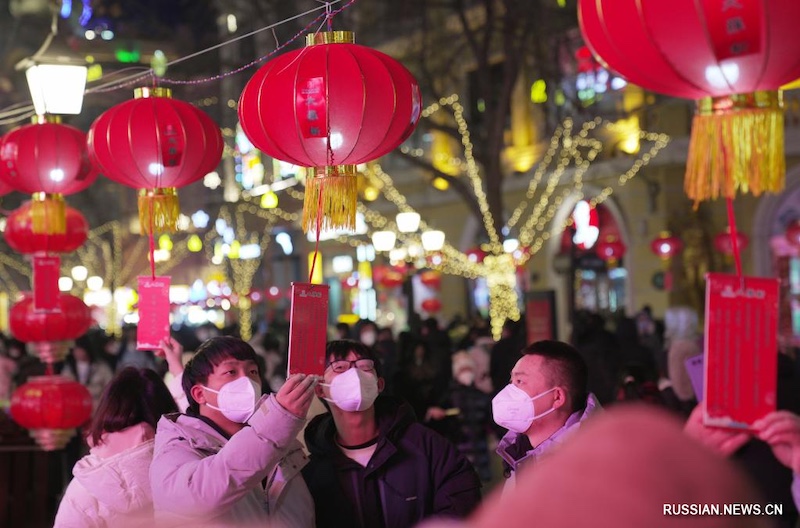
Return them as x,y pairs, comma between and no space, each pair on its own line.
152,247
734,238
319,228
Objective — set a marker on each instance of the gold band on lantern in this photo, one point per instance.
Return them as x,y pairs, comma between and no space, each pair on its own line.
330,37
45,118
160,209
144,92
48,214
334,189
736,146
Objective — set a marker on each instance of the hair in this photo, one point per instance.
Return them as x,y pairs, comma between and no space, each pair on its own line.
565,367
133,396
339,349
210,354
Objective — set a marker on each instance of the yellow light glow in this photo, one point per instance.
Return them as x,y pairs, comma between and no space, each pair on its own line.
371,193
233,252
441,184
539,92
269,200
195,244
165,243
316,276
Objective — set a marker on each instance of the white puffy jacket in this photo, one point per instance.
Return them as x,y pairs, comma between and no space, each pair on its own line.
200,478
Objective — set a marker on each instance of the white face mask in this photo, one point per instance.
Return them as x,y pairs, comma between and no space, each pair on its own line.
354,390
512,408
237,399
465,377
368,338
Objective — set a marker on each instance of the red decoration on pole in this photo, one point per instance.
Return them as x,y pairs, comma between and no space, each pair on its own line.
47,160
793,233
732,56
51,407
330,106
431,305
155,144
21,237
723,242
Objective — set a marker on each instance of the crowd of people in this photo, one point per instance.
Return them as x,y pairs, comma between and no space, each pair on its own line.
418,427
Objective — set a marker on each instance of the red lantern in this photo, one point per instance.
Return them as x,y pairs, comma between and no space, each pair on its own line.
431,279
330,106
51,407
391,279
475,255
5,188
431,305
47,160
793,233
21,237
723,242
731,55
71,321
666,245
611,249
155,144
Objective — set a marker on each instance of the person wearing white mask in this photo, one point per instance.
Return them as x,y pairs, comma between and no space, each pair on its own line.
543,405
372,464
233,459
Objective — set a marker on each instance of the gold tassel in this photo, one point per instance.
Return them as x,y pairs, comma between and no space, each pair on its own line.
159,208
338,186
48,214
736,145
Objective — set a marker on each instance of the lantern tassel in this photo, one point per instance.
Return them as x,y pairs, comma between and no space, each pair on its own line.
334,190
48,214
736,145
158,210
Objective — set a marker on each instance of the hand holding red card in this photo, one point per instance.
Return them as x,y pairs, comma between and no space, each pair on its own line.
308,329
153,312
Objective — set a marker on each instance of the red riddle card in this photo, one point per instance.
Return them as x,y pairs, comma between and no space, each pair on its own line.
46,270
153,312
308,328
741,349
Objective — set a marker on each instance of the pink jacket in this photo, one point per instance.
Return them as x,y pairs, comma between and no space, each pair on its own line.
204,479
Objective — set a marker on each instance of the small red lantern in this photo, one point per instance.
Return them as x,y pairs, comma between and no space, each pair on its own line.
51,407
155,144
391,279
431,305
48,161
611,250
666,246
72,320
723,242
475,255
431,279
793,233
330,106
21,237
732,56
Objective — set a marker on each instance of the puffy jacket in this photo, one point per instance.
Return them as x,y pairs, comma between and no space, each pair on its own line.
516,451
206,479
414,474
111,491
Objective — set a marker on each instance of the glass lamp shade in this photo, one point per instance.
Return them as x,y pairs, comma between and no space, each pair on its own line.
57,88
383,240
433,240
407,222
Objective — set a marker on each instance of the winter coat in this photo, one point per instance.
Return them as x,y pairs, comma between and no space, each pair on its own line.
516,451
206,479
111,485
413,474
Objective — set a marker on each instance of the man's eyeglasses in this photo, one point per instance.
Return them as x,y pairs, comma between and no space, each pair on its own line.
342,365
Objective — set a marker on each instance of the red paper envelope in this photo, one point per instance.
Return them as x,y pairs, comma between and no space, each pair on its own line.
741,349
153,312
308,328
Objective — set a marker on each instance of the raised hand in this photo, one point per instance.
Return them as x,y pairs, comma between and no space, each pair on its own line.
723,441
781,430
296,394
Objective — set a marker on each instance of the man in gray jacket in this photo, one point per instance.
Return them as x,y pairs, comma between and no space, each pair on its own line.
233,458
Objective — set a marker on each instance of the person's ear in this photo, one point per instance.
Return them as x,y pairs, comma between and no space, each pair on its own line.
559,397
198,394
319,391
381,385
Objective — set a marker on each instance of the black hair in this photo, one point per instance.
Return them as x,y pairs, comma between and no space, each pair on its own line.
566,368
339,349
133,396
210,354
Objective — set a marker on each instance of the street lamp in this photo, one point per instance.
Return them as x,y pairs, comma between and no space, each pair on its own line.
432,240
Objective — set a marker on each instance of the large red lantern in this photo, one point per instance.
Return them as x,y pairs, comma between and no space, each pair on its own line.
21,236
155,144
330,106
732,56
431,305
72,319
51,407
666,246
611,250
723,242
48,161
793,233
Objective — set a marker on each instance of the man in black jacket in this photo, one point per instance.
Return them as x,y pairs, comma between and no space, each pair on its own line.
372,465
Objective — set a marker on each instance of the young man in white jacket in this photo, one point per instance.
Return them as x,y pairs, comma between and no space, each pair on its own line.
233,458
